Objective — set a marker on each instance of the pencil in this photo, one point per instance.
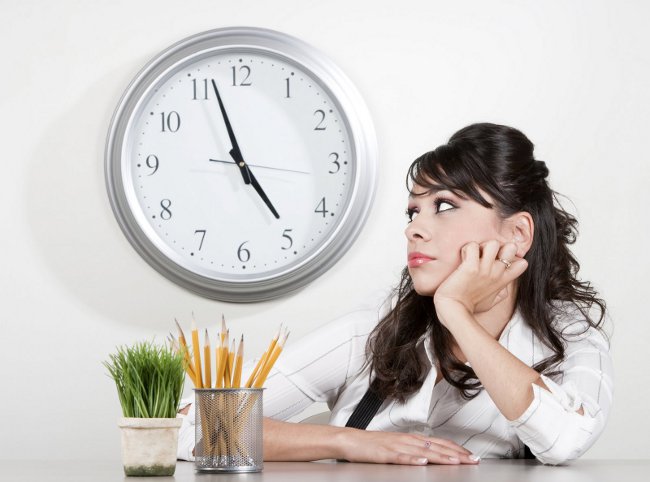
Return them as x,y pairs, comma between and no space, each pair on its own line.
186,352
261,362
197,356
264,372
207,362
238,364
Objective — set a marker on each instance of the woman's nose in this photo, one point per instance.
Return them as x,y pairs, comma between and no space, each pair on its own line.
416,231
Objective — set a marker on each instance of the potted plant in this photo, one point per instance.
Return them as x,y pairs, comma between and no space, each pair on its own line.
149,380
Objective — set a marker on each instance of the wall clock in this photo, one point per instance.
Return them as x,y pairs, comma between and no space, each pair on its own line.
241,163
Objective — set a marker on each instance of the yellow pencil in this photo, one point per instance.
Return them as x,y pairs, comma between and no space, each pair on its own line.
186,353
264,372
197,356
238,364
207,362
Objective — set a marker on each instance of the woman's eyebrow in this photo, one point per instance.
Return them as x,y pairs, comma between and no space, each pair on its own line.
431,190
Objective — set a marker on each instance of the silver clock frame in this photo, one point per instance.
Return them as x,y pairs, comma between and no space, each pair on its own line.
363,147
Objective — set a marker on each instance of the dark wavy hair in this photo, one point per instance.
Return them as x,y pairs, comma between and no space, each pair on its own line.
499,161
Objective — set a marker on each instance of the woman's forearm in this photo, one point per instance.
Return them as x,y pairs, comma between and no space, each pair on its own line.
284,441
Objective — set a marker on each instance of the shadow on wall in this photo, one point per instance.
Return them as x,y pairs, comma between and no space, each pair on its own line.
74,230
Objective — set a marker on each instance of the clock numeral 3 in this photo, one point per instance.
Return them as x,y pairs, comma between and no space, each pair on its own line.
166,213
242,253
170,122
321,208
335,162
286,235
320,126
247,74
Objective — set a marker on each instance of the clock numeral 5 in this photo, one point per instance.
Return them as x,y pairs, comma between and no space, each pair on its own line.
286,235
244,82
170,122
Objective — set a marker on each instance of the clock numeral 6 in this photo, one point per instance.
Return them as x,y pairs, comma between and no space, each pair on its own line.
170,122
321,114
321,208
242,253
335,162
166,213
244,82
285,234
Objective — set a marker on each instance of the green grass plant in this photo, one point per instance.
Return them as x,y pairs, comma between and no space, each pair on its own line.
149,379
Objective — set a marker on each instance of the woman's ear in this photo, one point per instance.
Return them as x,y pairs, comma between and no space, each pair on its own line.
520,231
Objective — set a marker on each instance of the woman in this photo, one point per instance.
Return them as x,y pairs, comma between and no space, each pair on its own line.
490,347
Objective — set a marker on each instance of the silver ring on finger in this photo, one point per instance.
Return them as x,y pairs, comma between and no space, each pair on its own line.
506,262
427,444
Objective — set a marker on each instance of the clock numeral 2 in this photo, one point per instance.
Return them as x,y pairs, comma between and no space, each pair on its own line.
170,122
319,126
244,82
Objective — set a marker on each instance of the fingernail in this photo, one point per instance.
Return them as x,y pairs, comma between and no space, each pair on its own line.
422,460
474,458
455,460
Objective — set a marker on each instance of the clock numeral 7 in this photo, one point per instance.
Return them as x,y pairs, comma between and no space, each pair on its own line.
202,231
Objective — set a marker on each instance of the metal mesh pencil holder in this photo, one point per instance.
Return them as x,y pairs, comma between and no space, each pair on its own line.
228,430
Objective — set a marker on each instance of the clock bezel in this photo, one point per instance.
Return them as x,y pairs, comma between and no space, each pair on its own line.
363,153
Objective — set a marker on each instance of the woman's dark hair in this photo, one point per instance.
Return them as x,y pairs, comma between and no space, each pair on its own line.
499,161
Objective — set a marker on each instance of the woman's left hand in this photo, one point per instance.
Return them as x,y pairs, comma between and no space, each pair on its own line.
481,280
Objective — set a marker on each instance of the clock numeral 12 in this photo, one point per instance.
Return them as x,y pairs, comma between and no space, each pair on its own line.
244,82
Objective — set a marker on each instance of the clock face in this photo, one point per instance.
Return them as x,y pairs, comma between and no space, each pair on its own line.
237,164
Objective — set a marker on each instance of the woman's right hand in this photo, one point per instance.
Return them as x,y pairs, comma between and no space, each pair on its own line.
401,448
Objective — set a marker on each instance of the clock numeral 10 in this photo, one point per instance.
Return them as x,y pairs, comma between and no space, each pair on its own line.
170,122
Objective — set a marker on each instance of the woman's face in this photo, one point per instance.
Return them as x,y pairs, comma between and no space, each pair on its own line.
442,223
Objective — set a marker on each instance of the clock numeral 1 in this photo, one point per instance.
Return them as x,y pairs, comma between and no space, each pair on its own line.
320,126
152,163
242,253
335,162
285,235
321,208
170,122
198,89
247,74
288,86
166,213
202,232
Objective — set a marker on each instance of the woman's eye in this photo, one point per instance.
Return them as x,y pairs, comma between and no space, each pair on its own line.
442,205
411,213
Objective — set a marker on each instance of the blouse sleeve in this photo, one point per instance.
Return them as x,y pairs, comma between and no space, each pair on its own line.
551,426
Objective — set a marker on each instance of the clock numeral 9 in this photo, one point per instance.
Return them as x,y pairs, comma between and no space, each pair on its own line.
320,126
152,163
335,162
244,82
242,253
286,235
321,208
170,122
166,213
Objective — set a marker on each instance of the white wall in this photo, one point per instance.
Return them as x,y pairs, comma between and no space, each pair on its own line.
573,75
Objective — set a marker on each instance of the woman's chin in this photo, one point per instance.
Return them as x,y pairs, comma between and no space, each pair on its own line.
424,290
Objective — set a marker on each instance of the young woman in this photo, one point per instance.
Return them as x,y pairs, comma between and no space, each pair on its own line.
490,346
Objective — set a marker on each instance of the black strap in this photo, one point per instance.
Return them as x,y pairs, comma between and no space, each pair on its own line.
365,411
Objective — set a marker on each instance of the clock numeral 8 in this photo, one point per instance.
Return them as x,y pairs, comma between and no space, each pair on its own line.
242,253
166,214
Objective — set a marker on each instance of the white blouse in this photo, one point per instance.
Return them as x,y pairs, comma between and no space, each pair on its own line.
326,366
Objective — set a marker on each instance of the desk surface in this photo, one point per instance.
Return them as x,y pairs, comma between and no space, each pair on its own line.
487,470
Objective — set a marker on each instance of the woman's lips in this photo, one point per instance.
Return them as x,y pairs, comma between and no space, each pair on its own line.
418,259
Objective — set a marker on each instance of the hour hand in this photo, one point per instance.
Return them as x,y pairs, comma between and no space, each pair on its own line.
260,191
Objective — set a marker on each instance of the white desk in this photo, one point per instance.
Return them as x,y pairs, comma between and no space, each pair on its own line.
486,471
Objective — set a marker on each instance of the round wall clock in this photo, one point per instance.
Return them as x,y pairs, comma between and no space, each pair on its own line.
241,163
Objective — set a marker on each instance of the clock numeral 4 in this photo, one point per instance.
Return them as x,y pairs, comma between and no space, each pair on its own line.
170,122
245,73
321,208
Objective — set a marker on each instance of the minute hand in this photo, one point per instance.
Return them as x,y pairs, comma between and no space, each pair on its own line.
235,152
